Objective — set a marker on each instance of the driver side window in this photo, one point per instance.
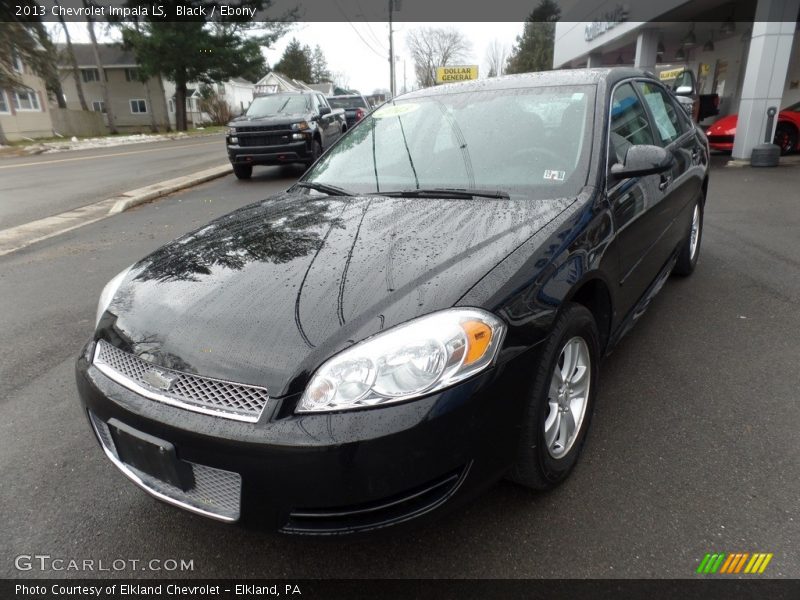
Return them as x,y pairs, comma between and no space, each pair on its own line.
629,124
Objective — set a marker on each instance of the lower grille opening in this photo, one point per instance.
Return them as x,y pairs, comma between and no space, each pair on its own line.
216,493
377,514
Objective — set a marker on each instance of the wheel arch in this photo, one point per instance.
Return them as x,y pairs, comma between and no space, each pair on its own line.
594,293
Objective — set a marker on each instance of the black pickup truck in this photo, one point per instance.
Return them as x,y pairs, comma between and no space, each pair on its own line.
281,128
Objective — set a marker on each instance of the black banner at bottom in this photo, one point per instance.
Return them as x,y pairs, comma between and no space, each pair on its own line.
410,589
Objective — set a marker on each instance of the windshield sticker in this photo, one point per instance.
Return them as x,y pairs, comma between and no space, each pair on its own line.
552,175
395,110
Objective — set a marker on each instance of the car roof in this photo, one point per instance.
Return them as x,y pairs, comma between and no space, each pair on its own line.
610,75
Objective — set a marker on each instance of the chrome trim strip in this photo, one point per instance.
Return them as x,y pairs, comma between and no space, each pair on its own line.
158,495
135,387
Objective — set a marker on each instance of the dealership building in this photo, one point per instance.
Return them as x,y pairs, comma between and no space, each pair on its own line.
747,52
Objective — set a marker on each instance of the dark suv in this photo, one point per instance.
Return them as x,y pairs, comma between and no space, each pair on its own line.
283,128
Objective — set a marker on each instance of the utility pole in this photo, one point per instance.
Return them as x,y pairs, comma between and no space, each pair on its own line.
405,84
391,50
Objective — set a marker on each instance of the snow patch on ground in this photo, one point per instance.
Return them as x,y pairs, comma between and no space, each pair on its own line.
104,142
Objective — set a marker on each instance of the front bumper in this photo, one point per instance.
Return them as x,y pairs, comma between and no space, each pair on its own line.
299,151
327,473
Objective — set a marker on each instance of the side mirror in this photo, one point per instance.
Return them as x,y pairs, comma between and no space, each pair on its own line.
642,160
324,110
684,84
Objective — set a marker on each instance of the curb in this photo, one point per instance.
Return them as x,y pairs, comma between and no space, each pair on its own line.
145,194
16,238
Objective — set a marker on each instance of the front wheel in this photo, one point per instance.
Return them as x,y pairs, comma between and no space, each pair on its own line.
316,150
560,401
243,171
687,259
785,137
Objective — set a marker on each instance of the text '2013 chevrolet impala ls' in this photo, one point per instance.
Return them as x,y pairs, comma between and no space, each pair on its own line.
423,313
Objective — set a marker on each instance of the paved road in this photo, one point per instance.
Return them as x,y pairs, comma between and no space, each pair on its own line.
693,448
67,180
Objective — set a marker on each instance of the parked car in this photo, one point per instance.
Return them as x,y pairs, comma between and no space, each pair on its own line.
418,316
722,132
699,106
355,107
283,128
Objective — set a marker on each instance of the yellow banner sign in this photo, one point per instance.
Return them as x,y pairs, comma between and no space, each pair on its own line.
670,74
456,73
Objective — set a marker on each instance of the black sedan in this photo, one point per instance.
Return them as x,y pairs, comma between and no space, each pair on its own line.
422,314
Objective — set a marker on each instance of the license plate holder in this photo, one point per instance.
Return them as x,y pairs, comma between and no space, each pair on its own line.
151,455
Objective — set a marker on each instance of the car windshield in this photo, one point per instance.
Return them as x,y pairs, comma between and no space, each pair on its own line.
350,102
529,142
793,108
278,104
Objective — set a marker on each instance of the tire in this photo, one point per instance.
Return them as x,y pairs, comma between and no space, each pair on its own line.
785,138
243,171
316,151
687,259
539,465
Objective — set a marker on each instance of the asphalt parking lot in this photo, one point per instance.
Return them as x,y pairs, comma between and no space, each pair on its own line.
693,446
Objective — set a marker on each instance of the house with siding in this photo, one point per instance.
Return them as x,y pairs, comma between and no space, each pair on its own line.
24,113
134,102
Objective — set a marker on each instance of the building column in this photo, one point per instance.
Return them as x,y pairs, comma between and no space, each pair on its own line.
765,74
646,49
595,59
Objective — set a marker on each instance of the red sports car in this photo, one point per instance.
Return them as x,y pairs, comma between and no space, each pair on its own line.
787,133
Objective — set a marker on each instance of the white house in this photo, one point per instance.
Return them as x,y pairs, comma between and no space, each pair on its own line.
273,82
237,92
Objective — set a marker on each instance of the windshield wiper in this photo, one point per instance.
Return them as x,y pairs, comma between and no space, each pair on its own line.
331,190
445,193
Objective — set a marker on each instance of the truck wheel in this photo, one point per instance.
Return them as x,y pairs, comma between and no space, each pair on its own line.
243,171
316,150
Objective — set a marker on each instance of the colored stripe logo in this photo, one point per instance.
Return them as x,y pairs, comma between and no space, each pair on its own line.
734,562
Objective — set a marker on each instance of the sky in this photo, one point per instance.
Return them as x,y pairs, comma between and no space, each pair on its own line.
359,50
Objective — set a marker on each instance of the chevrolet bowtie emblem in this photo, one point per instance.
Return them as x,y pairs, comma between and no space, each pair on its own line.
159,380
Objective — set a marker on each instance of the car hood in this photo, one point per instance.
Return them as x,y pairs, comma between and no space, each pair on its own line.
282,119
724,126
265,294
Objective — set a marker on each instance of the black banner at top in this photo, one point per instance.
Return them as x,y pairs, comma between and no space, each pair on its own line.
601,12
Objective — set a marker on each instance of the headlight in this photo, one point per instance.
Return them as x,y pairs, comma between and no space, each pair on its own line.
231,130
408,361
107,295
301,126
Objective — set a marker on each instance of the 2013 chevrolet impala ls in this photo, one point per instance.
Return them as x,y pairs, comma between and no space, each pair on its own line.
423,313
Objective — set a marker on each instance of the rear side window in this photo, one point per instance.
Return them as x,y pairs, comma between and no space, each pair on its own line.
668,123
629,125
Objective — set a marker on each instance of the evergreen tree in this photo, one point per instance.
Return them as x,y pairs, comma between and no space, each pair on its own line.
191,50
534,48
319,67
296,62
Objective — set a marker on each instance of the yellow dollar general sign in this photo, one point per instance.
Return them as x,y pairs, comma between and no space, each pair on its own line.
456,73
734,562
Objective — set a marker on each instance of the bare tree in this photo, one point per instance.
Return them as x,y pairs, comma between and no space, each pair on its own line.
73,63
112,126
341,79
496,54
432,47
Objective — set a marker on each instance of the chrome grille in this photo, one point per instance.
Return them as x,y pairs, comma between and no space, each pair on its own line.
216,493
192,392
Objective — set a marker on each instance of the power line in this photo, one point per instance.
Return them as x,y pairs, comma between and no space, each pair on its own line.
353,27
